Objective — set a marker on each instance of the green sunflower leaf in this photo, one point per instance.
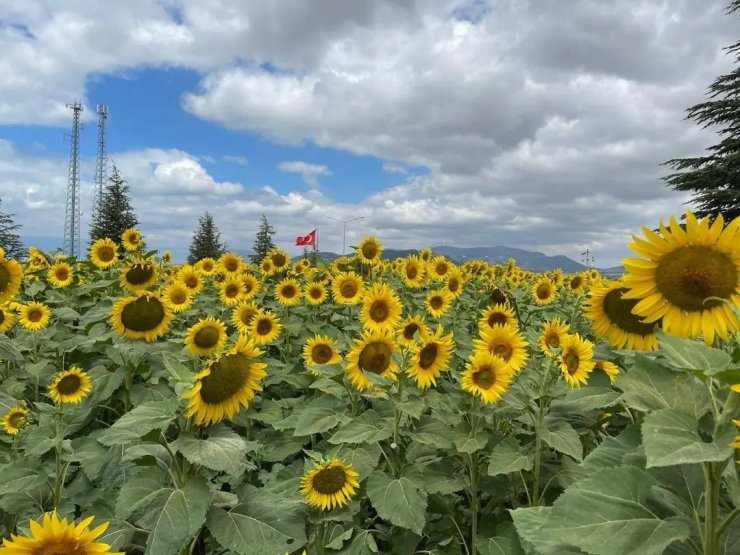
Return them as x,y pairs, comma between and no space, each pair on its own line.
223,450
140,421
507,457
398,500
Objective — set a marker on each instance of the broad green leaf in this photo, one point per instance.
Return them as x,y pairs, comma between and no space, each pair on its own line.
433,432
9,351
607,514
693,355
497,545
262,524
366,428
316,420
507,457
138,495
223,450
623,450
671,437
181,517
17,478
470,444
363,459
585,399
439,478
141,420
397,500
528,523
564,439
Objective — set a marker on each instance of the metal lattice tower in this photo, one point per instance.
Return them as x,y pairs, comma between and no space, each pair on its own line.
73,213
101,162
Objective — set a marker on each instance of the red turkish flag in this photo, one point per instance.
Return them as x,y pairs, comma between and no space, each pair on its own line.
306,240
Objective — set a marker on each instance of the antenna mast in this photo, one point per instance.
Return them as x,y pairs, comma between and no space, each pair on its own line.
587,258
73,213
101,162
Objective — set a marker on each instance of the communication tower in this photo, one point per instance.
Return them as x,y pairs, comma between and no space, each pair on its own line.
101,162
73,213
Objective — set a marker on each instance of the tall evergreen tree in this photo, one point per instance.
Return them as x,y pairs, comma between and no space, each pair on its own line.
263,242
715,179
115,213
9,238
206,240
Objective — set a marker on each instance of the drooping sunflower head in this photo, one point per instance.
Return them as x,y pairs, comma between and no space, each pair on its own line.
381,309
552,336
131,240
55,536
506,343
487,376
7,318
230,263
60,274
347,288
15,419
138,275
369,250
279,259
412,330
576,359
143,316
227,384
577,284
242,316
11,274
34,316
288,292
206,337
497,315
608,368
231,290
265,327
206,266
104,253
190,278
430,357
612,316
544,291
372,353
177,296
252,286
321,349
690,278
70,386
330,484
437,302
315,293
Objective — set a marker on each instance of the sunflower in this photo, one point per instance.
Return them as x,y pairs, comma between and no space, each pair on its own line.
487,376
177,296
425,254
231,291
347,288
15,419
315,293
454,284
497,315
11,274
142,316
57,536
496,295
138,275
608,368
167,258
190,278
252,286
373,352
206,266
613,318
104,253
280,260
131,240
60,274
576,359
437,302
70,386
242,316
206,337
369,251
411,330
320,349
35,316
504,342
438,268
266,266
265,327
412,271
544,291
690,278
552,336
7,318
227,384
330,484
230,263
288,292
381,309
577,283
430,357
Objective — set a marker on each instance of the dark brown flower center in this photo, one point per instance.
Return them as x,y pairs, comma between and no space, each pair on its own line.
329,480
143,314
576,282
502,350
34,315
315,293
409,331
264,326
139,274
436,302
571,362
453,285
4,276
412,272
428,355
553,340
279,259
497,319
191,281
379,311
375,357
484,377
543,291
498,296
247,315
178,296
228,376
17,419
441,269
369,250
207,337
348,289
321,353
619,312
62,274
106,253
2,316
288,291
69,384
231,265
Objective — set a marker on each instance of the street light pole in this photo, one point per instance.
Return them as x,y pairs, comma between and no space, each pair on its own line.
344,229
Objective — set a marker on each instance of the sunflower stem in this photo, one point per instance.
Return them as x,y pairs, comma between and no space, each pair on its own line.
712,530
59,472
320,537
474,501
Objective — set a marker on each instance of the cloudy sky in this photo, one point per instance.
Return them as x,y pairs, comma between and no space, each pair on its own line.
538,124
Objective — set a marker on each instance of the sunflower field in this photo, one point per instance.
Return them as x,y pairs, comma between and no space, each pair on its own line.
371,406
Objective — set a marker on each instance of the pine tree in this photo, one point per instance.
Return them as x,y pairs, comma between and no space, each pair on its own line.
206,240
715,179
263,242
9,239
114,213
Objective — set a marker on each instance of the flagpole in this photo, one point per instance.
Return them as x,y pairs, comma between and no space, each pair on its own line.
344,229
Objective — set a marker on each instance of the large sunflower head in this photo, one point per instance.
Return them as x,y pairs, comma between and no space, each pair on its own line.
455,282
412,330
430,358
381,309
206,337
288,292
60,274
426,254
242,316
369,250
506,343
138,275
230,263
487,376
544,291
131,240
321,349
265,327
372,353
437,302
688,277
279,259
231,290
104,253
577,283
252,286
55,536
329,484
576,359
497,315
552,336
412,272
613,318
177,296
206,266
315,293
34,316
438,268
143,316
70,386
227,384
7,318
190,278
347,288
15,419
11,274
